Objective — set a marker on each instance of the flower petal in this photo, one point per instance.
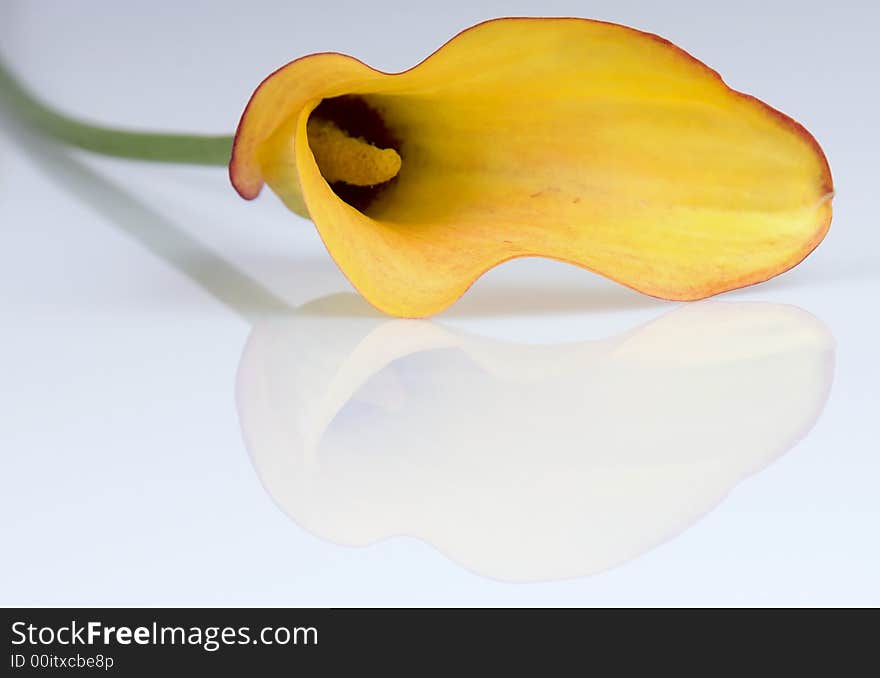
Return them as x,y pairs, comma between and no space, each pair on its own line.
573,139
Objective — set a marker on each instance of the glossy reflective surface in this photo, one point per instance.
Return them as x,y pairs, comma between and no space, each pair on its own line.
524,462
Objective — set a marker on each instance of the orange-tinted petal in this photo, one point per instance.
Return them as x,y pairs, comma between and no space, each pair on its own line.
583,141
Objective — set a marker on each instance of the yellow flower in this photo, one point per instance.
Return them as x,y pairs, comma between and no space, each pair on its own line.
579,140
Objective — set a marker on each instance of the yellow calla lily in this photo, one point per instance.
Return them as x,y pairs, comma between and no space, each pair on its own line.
579,140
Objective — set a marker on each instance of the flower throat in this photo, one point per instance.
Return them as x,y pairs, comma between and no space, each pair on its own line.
353,148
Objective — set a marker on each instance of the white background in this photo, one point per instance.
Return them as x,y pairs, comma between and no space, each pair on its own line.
129,292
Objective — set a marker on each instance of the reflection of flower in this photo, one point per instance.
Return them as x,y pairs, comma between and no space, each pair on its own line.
523,461
579,140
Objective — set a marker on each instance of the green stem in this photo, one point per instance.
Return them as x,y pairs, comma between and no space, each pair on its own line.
156,147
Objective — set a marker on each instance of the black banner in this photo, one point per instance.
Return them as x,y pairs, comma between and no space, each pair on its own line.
245,641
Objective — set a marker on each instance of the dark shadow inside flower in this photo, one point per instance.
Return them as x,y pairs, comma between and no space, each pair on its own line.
357,120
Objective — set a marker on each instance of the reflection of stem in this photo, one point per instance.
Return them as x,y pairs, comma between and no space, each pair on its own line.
156,147
211,272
